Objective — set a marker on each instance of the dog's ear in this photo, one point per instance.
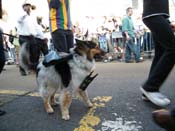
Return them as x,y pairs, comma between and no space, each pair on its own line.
91,44
80,43
81,47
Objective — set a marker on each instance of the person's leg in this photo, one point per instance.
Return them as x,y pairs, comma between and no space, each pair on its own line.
2,61
164,53
22,40
136,52
70,40
133,48
158,54
163,62
127,52
59,40
13,54
2,55
42,46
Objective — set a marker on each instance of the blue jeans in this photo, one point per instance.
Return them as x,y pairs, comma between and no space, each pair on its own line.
129,48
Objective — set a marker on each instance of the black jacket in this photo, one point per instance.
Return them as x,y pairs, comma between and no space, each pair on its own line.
152,7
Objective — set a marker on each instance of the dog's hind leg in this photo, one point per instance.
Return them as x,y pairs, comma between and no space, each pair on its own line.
84,97
65,102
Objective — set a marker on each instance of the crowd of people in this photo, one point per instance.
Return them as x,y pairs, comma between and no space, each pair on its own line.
122,36
105,30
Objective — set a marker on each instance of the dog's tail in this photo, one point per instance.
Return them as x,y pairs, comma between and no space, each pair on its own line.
39,67
24,57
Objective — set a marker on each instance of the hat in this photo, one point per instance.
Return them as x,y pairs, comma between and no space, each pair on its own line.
27,2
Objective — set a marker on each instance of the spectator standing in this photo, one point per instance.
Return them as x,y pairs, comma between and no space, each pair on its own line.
128,31
2,55
11,46
61,25
6,30
16,44
30,32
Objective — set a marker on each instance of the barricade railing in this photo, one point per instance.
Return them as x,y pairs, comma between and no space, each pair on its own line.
144,43
148,45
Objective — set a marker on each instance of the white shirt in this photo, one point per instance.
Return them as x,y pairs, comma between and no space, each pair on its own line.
4,26
27,25
39,32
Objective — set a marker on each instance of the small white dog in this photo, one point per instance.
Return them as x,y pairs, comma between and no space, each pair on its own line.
67,76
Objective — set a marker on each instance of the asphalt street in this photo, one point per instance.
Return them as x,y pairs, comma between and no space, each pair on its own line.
115,93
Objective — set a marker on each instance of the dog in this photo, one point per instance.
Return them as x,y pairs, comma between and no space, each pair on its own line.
67,77
29,54
24,59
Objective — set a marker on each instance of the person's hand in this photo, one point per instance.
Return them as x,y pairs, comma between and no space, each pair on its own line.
127,37
173,26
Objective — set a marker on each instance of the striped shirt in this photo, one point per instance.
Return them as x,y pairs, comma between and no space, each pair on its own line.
59,18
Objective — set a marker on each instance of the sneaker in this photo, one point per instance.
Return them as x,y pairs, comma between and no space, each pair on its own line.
129,61
140,60
156,97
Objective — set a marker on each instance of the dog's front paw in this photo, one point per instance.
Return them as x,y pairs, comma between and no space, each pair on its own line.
50,110
66,117
90,104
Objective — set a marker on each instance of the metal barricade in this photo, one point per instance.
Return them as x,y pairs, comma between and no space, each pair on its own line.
148,45
116,35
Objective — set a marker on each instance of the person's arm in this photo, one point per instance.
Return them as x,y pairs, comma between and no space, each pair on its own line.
22,17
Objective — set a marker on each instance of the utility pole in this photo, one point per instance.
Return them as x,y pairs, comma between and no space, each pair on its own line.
173,2
135,4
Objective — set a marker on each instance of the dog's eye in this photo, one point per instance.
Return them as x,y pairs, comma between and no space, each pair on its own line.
97,47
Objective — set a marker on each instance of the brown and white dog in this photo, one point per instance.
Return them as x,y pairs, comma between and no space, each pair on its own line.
67,76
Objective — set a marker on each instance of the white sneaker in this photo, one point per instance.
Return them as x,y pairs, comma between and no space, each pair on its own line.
156,97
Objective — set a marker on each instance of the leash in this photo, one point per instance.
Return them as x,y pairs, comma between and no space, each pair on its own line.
8,35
